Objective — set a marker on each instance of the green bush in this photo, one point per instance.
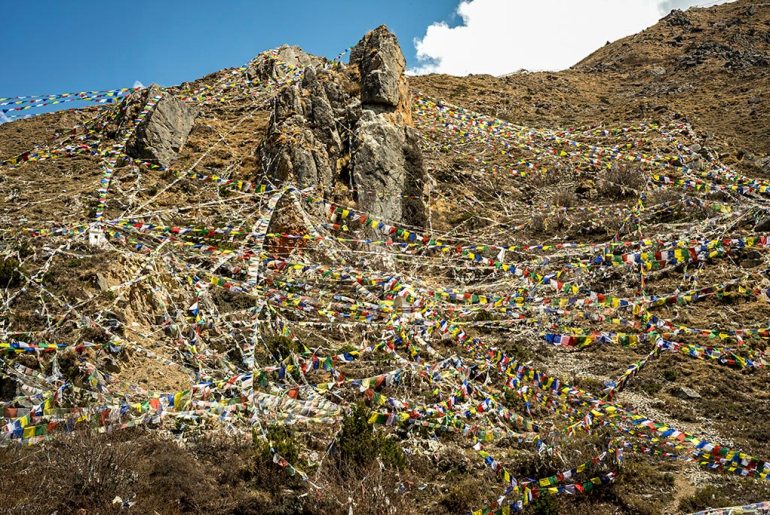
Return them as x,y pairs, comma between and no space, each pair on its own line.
545,505
706,497
284,443
262,472
358,445
10,273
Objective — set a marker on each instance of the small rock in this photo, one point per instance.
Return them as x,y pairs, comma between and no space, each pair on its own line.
763,164
684,392
763,224
102,282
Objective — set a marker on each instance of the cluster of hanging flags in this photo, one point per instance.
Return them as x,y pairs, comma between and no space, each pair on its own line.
8,105
238,398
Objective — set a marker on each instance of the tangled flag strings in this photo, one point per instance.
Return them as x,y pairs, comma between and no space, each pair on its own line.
401,325
61,97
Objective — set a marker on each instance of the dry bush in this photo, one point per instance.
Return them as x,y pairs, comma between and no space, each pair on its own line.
706,497
564,198
373,489
643,487
584,223
622,182
96,472
79,471
550,177
537,224
464,496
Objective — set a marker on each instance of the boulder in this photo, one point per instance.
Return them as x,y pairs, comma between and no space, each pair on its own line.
164,131
763,164
381,66
684,392
677,18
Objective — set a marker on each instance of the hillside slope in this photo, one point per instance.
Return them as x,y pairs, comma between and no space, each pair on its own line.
303,286
709,66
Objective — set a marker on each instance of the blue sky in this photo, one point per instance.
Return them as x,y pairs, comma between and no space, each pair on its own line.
56,46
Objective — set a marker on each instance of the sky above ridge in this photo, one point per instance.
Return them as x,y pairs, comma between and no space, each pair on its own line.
502,36
51,46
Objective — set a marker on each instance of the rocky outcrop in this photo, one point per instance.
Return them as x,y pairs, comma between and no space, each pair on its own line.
350,126
387,162
388,170
677,18
164,131
309,132
381,66
281,62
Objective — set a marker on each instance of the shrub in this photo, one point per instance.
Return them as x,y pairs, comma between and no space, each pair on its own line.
706,497
537,224
460,217
10,273
643,487
564,198
650,387
484,315
358,445
280,346
91,471
545,505
622,182
463,496
284,443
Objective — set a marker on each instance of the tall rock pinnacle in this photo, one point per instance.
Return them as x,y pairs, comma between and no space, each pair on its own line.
381,65
351,126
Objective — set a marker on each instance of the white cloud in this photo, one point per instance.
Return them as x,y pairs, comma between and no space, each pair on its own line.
501,36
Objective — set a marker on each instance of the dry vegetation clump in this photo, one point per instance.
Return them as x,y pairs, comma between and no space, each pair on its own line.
621,182
102,473
139,470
